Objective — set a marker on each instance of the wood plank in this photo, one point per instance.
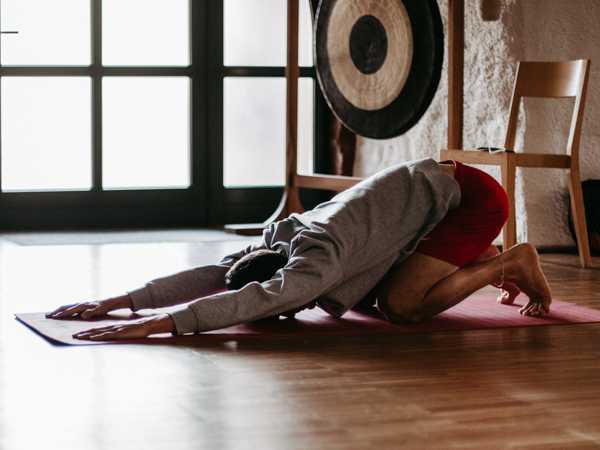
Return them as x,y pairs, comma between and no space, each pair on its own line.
328,182
543,160
456,45
521,159
471,157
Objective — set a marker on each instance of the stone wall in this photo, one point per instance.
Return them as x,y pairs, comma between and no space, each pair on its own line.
528,30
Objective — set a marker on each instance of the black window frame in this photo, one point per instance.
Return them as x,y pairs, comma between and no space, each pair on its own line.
206,202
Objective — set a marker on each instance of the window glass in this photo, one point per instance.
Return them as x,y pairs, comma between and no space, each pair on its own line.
305,36
305,125
46,133
146,132
254,132
53,32
145,33
254,32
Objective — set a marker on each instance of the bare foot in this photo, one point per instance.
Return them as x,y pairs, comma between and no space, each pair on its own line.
522,268
509,293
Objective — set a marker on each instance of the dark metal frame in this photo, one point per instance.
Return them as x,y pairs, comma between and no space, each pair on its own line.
206,201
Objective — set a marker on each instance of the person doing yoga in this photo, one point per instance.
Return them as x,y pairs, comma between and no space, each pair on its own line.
414,239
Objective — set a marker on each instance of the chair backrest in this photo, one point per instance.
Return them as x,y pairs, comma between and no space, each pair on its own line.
551,80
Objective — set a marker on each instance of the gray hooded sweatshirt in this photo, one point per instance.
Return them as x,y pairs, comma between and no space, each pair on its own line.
337,252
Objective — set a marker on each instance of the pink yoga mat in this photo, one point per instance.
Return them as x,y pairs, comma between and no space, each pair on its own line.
476,312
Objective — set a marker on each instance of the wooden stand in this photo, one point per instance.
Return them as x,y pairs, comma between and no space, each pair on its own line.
456,57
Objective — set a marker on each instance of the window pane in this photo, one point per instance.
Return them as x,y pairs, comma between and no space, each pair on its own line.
255,38
145,33
146,132
305,36
254,32
254,132
46,133
53,32
305,125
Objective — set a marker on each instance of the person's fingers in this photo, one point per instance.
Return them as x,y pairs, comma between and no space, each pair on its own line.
85,334
61,310
103,335
89,313
82,335
111,335
124,332
90,335
97,310
128,331
69,310
84,310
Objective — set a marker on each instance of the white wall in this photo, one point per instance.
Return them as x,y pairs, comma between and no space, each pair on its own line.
527,30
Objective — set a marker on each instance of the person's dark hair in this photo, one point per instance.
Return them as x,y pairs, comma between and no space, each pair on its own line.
259,265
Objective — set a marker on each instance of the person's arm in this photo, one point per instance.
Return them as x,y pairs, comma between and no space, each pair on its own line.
162,323
183,287
304,280
310,275
175,289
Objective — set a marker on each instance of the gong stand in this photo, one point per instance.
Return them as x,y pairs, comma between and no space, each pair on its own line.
290,201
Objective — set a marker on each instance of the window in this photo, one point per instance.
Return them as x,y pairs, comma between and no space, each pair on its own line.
145,132
46,133
118,113
251,80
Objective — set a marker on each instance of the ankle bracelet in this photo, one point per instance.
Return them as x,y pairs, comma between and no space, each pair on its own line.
502,277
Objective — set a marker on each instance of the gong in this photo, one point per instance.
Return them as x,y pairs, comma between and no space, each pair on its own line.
379,62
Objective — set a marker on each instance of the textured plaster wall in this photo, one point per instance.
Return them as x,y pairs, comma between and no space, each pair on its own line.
559,30
527,30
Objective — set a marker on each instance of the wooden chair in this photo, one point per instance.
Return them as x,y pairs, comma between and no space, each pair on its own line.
545,80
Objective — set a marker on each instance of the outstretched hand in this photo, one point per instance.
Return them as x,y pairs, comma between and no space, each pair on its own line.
87,310
131,330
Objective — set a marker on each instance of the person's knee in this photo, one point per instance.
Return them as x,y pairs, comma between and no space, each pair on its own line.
398,310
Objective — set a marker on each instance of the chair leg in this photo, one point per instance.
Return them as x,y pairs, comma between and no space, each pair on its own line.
508,170
579,222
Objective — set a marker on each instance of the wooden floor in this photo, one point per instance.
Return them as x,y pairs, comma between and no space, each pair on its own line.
531,388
